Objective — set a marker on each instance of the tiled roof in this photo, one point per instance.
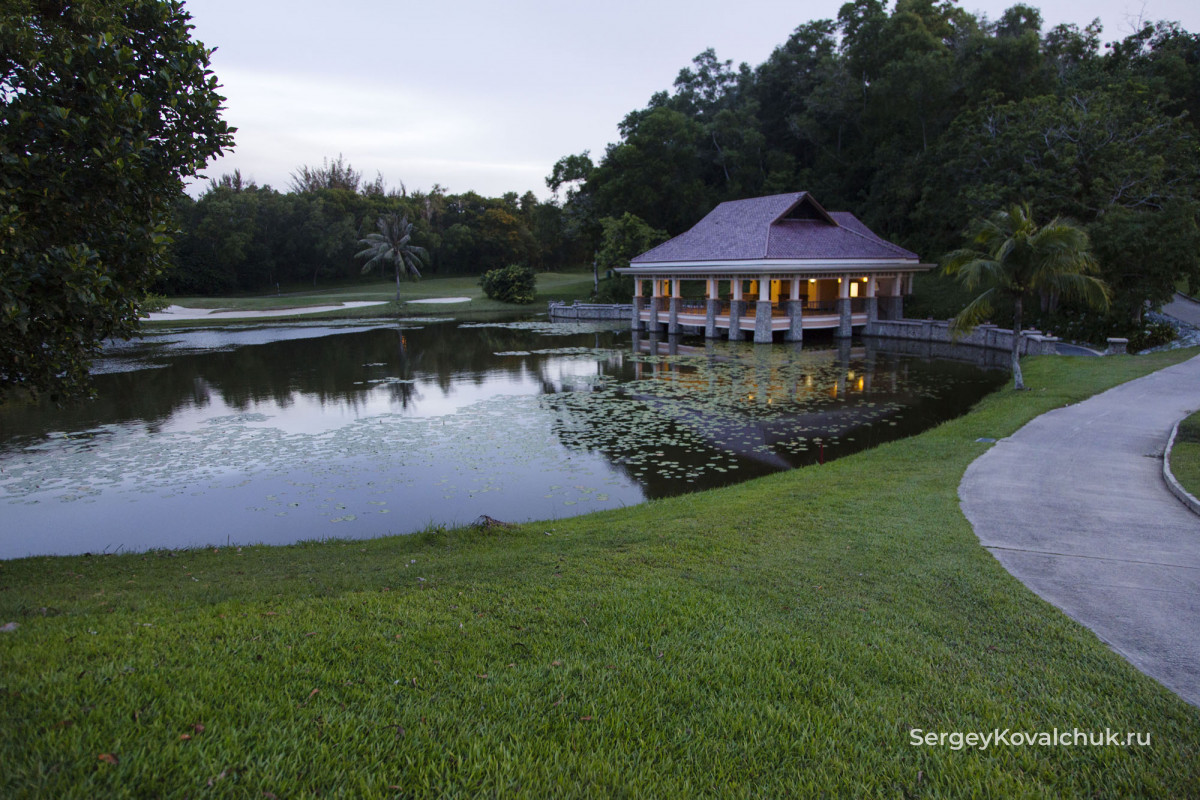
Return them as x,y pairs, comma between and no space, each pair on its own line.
763,228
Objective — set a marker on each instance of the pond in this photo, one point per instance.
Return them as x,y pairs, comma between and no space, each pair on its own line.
278,434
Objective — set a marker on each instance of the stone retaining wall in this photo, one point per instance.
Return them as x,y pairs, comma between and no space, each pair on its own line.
577,310
984,357
1033,343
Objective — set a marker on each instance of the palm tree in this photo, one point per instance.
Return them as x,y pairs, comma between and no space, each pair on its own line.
1017,258
392,243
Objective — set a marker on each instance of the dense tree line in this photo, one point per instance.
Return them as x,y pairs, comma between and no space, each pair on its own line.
238,236
919,119
922,119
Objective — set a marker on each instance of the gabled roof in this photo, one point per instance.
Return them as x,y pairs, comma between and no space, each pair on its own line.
782,226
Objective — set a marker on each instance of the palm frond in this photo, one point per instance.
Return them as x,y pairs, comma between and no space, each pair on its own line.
1010,253
1086,288
975,312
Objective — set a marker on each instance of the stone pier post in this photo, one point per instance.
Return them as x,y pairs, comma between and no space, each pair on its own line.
655,305
736,309
844,328
795,321
872,304
762,322
710,318
762,312
673,308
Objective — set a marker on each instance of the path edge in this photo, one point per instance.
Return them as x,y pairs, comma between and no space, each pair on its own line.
1186,497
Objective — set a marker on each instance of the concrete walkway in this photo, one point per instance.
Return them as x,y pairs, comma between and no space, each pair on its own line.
1183,308
1075,506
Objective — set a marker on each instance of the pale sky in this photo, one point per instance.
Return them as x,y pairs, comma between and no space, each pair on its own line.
486,96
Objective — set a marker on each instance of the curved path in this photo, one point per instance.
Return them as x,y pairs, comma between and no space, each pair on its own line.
1184,308
1075,506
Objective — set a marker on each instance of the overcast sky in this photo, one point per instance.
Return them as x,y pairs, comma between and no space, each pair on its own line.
486,96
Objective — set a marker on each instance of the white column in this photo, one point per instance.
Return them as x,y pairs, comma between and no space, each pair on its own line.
870,286
675,282
736,283
795,293
764,289
712,288
844,287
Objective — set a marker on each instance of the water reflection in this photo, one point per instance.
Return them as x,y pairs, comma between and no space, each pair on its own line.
278,434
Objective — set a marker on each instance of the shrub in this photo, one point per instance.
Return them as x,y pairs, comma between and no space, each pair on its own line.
1151,334
154,302
512,284
1096,328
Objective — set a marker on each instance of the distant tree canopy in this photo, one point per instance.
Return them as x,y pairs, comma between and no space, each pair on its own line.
921,119
238,236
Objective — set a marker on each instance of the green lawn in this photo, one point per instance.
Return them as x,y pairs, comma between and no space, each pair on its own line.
550,286
1185,455
779,638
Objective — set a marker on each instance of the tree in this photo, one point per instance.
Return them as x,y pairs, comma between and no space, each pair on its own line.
570,171
1144,254
1018,258
623,239
335,175
105,107
392,244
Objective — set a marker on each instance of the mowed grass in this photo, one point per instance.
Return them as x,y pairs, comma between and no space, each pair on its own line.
779,638
1185,455
550,286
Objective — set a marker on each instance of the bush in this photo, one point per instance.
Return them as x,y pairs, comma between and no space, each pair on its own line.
1096,328
154,302
1092,328
1151,334
512,284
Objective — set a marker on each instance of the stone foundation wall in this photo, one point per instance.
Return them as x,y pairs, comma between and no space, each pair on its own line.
1033,343
577,310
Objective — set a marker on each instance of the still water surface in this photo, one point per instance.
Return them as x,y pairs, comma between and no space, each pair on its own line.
278,434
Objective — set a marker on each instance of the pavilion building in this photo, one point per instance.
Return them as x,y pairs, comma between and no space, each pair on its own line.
768,264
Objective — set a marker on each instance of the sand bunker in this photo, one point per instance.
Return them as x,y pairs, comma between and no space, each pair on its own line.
181,312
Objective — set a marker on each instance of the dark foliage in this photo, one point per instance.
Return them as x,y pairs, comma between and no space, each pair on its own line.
104,107
511,284
923,118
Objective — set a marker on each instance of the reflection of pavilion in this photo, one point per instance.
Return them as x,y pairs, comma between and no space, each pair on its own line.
752,390
807,268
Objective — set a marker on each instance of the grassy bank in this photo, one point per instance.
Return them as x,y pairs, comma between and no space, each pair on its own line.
779,638
550,286
1185,455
